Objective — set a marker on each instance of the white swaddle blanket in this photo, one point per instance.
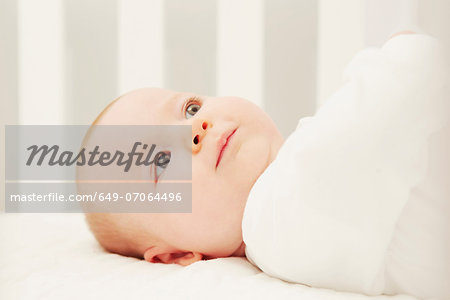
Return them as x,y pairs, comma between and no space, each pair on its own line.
358,196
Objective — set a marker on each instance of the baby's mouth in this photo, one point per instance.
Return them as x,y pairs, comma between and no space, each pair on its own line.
223,143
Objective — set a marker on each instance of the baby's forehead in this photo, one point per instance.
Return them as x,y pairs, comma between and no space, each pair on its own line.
145,107
140,107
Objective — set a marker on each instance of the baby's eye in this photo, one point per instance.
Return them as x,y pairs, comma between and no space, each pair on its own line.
192,108
160,164
158,171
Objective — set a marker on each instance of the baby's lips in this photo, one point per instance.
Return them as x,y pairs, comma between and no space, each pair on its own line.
223,143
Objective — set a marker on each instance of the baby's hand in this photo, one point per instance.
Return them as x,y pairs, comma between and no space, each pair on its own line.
402,32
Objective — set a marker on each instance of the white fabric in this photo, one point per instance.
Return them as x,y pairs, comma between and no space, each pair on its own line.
54,256
358,196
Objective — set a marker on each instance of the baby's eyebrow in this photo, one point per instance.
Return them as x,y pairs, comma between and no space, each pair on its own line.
170,106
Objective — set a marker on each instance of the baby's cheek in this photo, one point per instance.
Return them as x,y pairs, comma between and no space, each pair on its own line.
252,159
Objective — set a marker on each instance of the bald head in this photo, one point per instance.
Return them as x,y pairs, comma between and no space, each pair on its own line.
146,106
117,233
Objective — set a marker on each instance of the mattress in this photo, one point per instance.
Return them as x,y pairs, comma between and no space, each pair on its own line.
54,256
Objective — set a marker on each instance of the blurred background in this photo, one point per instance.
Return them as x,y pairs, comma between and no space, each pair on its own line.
62,61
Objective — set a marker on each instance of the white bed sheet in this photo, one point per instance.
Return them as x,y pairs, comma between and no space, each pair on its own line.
54,256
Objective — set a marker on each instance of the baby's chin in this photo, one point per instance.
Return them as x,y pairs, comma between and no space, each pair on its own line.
237,252
240,252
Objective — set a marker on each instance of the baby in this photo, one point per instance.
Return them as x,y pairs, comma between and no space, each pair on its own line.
333,206
221,178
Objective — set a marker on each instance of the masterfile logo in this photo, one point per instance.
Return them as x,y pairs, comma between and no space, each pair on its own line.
98,168
91,158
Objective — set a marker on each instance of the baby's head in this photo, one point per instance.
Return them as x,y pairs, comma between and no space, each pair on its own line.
221,176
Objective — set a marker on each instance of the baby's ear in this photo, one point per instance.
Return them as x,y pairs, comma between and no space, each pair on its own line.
166,255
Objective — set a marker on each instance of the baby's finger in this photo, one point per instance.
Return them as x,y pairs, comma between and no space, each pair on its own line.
402,32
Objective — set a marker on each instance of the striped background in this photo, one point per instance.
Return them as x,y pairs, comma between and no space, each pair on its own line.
62,61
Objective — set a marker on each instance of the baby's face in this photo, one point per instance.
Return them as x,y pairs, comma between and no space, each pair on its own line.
221,176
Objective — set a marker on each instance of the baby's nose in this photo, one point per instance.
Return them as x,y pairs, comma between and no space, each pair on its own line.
199,129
